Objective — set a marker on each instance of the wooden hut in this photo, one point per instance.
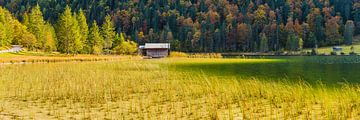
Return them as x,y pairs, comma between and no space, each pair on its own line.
155,50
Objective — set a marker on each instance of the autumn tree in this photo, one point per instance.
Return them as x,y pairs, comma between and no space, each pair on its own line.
260,15
332,34
315,21
243,36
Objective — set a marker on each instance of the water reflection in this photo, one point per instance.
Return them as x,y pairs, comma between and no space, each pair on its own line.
294,69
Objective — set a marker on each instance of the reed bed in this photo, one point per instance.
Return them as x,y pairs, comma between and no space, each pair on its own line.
205,55
195,55
152,89
68,58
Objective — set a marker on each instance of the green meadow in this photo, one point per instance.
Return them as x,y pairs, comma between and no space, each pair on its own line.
183,88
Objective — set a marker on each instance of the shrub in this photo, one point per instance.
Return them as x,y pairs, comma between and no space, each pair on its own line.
352,53
314,52
333,53
97,50
126,48
205,55
178,54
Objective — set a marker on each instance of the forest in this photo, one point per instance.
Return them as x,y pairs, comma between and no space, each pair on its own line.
118,26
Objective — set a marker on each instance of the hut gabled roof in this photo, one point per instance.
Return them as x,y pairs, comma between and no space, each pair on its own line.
157,46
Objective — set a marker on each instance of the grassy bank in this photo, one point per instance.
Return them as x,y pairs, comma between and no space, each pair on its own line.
159,89
41,57
346,48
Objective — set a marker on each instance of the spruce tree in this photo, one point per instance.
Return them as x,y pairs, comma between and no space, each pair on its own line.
95,38
68,33
50,38
36,26
2,35
264,43
84,32
6,28
108,32
78,44
44,32
349,32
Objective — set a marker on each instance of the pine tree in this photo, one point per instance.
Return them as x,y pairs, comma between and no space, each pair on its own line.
96,40
349,32
6,28
264,43
356,16
2,35
84,32
312,40
50,38
68,33
117,40
36,26
108,32
44,32
78,44
294,43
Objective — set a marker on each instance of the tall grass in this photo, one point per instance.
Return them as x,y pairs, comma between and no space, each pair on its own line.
66,58
149,89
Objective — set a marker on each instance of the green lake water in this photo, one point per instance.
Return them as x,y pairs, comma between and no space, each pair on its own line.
330,70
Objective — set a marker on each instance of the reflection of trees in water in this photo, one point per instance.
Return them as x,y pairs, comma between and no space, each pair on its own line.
301,70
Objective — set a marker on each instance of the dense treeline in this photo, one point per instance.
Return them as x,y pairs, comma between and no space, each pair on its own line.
190,25
71,34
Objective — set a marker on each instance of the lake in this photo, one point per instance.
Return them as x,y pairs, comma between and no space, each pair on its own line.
330,70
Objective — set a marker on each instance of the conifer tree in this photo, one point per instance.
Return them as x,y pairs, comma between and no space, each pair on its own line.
294,43
44,32
6,28
2,35
68,33
50,38
36,26
95,38
349,32
264,43
84,31
108,32
78,44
